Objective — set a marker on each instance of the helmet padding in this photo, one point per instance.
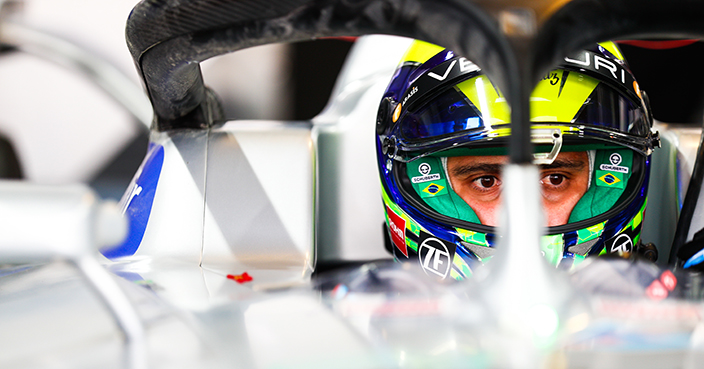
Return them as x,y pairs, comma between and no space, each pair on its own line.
605,187
445,201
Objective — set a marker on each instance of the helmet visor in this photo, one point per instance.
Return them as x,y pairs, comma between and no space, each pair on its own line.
474,110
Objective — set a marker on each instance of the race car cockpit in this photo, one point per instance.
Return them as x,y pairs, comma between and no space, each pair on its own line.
516,154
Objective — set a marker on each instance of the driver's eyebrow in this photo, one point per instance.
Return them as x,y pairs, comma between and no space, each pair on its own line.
495,168
565,164
470,169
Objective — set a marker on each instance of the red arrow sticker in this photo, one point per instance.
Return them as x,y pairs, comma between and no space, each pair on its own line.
241,278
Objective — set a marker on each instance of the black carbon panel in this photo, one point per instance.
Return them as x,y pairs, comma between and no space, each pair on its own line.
154,21
168,38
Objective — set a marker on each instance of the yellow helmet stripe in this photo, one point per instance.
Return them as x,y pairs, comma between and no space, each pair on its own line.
555,99
421,52
612,48
487,99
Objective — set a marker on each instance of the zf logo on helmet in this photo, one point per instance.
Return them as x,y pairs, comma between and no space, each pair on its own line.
435,255
622,243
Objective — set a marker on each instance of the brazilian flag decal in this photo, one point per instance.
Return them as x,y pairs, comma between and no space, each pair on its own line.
609,179
434,188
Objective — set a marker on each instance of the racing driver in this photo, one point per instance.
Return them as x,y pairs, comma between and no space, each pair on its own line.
441,143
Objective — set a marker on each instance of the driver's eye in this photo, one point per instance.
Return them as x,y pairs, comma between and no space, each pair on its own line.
487,182
556,179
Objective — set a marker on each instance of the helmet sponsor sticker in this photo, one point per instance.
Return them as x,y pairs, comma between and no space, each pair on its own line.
464,66
613,168
552,77
622,243
615,160
397,113
412,92
421,179
434,188
424,169
446,72
609,179
397,228
435,255
636,88
611,70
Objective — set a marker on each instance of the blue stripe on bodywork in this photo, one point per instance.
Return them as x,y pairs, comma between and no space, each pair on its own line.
139,200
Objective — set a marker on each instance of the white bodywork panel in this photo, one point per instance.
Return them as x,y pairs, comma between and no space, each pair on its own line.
260,196
240,194
175,223
351,209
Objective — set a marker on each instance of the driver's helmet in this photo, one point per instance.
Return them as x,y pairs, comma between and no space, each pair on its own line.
440,109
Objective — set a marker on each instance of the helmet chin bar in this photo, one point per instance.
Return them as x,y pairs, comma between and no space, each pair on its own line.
547,136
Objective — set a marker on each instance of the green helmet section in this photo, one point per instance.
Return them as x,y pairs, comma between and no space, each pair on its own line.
610,174
612,169
432,185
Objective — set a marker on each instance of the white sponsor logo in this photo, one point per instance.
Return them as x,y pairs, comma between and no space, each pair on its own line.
434,258
421,179
465,66
615,159
424,168
613,168
398,231
411,93
600,62
622,244
397,226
